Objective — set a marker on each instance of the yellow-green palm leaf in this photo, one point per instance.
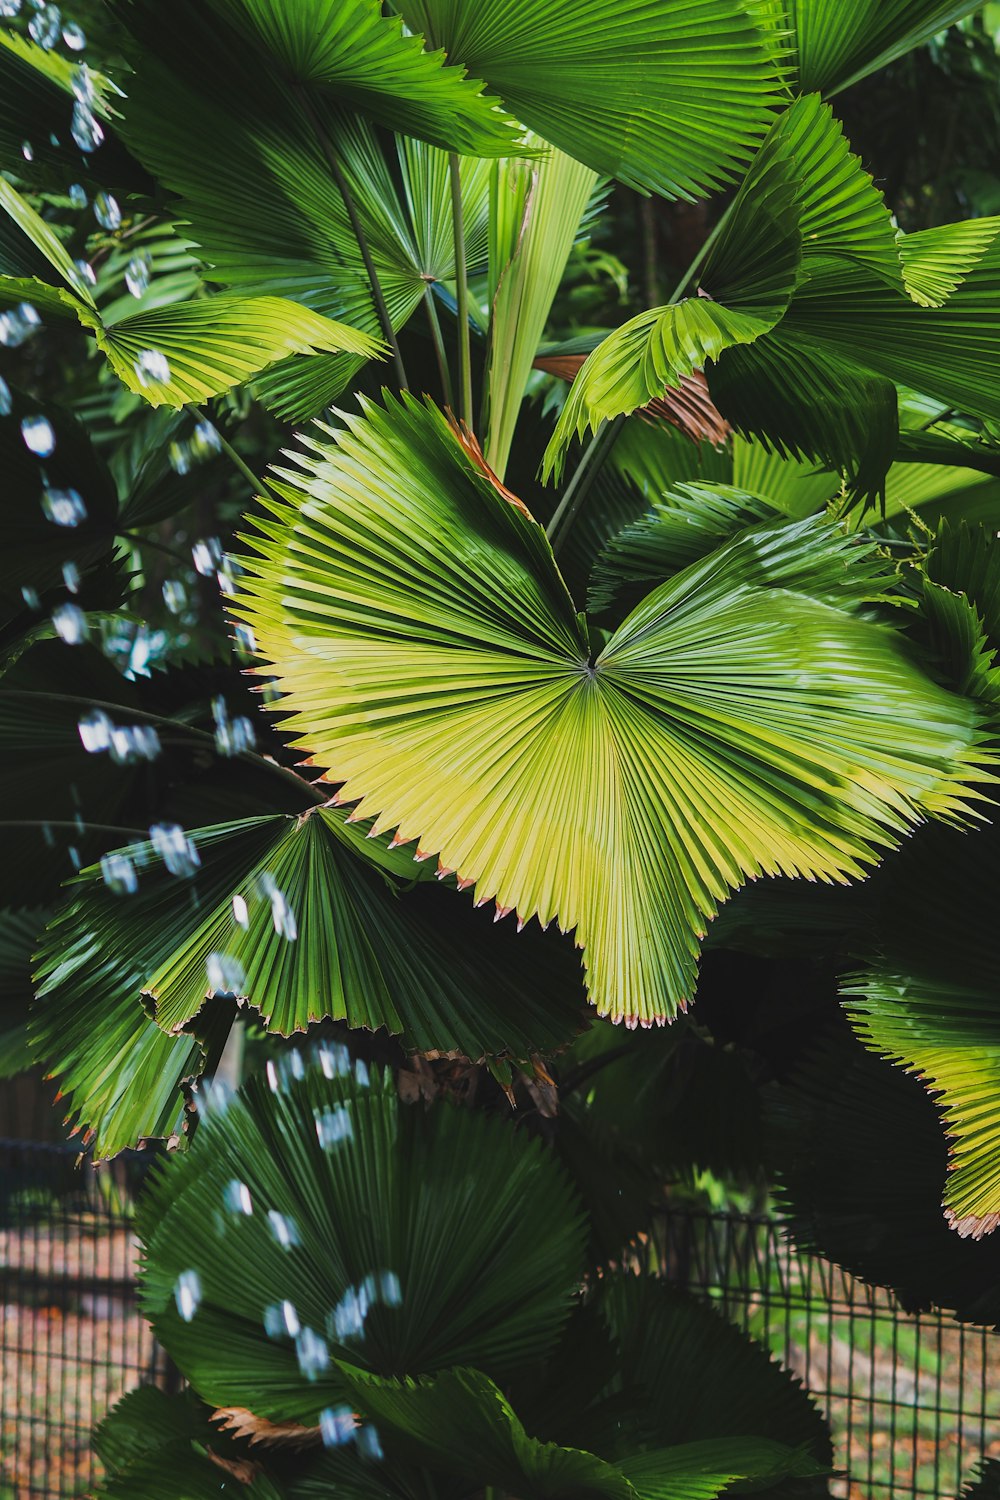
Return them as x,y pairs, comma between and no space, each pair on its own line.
739,722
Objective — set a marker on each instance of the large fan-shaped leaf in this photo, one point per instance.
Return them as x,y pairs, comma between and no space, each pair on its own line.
685,87
927,1000
733,725
405,1241
373,65
836,42
285,913
693,1377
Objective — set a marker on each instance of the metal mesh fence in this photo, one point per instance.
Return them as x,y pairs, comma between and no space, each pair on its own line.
914,1401
71,1338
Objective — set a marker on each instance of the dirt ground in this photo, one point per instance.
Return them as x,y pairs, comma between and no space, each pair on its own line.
66,1357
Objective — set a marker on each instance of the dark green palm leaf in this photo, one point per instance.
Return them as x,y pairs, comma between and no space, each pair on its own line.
369,63
686,89
836,42
406,1241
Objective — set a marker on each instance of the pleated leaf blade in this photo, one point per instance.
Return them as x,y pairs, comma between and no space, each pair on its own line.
736,724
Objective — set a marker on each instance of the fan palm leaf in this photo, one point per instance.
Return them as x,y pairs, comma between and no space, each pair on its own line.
301,918
414,616
837,42
406,1241
686,88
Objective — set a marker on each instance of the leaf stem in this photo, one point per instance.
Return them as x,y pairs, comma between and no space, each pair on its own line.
240,463
439,349
148,541
251,756
326,146
461,293
584,475
71,823
702,254
603,439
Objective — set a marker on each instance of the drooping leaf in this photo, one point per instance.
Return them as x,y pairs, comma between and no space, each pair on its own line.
290,915
412,614
685,88
195,350
405,1240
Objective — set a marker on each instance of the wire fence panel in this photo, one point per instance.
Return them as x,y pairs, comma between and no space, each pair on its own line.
914,1402
71,1337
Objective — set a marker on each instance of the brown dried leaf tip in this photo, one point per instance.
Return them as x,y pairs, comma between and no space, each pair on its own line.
239,1422
688,406
470,445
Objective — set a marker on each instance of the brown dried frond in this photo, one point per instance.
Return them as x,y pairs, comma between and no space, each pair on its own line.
470,443
687,406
